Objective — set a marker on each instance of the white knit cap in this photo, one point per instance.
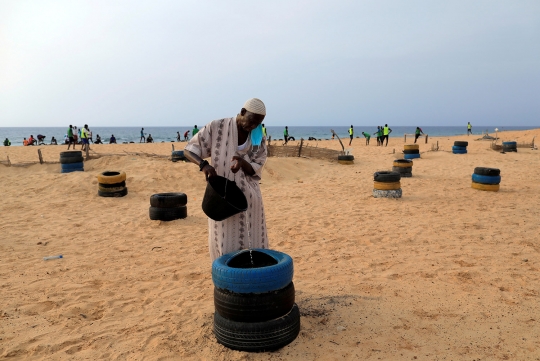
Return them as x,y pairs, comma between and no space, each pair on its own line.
256,106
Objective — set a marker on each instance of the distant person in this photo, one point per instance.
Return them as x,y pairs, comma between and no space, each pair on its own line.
84,138
351,134
194,131
75,135
25,142
469,128
41,139
7,143
78,139
53,141
379,134
32,140
264,131
112,140
386,133
149,139
286,135
98,139
178,138
89,136
186,135
367,136
143,139
417,133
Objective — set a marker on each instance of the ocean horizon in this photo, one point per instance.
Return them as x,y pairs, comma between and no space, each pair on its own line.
169,133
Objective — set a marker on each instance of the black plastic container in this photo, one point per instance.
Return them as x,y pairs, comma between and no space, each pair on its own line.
223,199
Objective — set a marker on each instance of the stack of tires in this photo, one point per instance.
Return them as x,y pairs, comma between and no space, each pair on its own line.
509,146
387,185
460,147
177,155
254,300
345,159
71,161
411,151
403,167
112,184
486,179
168,206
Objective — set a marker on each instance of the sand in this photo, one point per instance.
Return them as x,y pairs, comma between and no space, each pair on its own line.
444,273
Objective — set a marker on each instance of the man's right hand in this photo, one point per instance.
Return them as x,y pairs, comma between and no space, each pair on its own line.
209,171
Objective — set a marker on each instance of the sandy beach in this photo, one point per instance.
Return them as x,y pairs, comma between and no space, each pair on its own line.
446,272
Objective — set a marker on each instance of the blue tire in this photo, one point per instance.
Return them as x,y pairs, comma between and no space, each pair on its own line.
509,144
72,166
456,147
411,156
457,151
229,272
486,179
72,170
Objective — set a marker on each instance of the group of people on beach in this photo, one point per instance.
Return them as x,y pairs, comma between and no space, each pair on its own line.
382,134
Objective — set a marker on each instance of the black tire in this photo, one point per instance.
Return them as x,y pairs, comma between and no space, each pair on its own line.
111,189
386,176
411,151
167,214
72,153
178,155
254,307
402,170
258,336
168,200
69,160
458,143
487,171
121,193
406,175
114,185
345,157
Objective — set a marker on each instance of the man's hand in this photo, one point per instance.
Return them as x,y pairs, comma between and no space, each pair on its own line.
237,163
209,171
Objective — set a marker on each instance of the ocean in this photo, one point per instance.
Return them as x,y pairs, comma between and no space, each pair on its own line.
168,134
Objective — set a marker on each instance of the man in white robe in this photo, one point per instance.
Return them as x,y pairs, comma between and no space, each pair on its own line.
229,143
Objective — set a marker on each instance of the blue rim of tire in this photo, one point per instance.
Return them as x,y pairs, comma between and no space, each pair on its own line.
457,147
509,144
456,151
486,179
70,166
411,156
253,280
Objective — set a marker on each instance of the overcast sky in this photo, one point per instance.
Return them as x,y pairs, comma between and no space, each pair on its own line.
172,63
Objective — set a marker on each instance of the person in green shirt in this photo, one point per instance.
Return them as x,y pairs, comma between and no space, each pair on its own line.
386,132
264,131
71,139
194,131
351,134
417,133
367,136
286,134
7,143
469,128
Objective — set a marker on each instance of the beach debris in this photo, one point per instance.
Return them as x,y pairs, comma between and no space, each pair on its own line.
53,257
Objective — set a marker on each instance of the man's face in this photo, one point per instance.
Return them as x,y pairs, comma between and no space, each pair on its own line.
249,120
